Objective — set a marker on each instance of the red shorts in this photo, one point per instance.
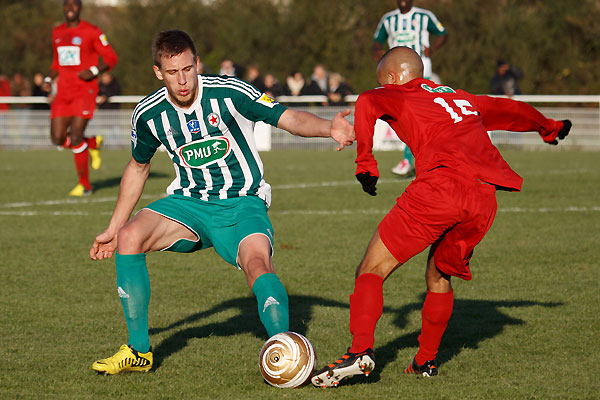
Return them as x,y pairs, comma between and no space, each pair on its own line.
69,104
443,208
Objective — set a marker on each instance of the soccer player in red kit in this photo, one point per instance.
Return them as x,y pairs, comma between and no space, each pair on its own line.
449,206
77,46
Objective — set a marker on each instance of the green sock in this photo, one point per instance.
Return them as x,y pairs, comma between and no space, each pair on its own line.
408,156
134,290
272,304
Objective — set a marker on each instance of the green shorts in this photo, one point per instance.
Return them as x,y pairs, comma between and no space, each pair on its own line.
221,224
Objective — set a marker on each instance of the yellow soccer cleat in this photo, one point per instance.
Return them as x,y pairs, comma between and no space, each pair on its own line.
95,158
79,191
126,359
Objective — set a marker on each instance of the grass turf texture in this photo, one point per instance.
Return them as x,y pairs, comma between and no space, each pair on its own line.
525,327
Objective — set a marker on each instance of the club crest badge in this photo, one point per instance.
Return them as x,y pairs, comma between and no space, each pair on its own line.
213,120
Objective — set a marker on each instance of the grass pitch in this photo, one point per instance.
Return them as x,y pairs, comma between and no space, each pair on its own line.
525,327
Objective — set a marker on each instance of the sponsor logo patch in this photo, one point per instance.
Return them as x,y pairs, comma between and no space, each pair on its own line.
405,38
213,119
200,153
104,40
439,89
68,55
193,126
133,138
266,100
76,41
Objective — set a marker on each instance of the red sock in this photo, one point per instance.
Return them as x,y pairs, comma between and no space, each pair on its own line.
91,142
435,315
81,157
366,306
67,142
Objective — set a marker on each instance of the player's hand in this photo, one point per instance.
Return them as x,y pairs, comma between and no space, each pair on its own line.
104,246
86,75
368,182
563,132
342,131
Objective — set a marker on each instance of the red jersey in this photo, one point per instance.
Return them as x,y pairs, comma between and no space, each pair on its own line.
77,49
447,127
4,91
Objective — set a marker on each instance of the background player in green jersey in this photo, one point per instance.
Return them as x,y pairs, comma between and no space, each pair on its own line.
218,199
411,27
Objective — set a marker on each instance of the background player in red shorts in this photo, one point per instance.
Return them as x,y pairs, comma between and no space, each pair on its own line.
77,46
449,206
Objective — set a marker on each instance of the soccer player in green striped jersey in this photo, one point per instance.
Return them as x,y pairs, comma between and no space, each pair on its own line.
218,198
410,27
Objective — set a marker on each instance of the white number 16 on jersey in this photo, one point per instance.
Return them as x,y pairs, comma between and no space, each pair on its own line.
461,104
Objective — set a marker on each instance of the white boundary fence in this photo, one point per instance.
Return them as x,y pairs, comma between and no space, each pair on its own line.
24,128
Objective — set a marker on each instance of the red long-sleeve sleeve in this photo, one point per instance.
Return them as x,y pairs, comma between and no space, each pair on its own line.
510,115
364,125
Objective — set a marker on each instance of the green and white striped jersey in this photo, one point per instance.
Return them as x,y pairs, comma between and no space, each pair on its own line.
411,29
212,142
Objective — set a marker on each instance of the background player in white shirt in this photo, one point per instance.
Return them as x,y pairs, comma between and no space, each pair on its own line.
411,27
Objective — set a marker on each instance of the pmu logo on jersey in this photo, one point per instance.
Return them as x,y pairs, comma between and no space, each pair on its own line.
193,126
200,153
439,89
266,100
213,119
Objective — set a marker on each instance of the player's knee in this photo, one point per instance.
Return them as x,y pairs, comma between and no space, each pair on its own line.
383,269
437,281
58,137
257,265
254,266
130,240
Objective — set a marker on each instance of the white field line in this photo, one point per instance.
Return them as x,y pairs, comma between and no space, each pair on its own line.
113,199
381,212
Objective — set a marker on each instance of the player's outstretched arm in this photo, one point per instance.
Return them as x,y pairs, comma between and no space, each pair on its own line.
132,186
517,116
305,124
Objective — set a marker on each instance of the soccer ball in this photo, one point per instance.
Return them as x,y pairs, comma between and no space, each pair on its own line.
287,360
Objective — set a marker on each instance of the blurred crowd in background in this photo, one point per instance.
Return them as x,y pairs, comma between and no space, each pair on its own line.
321,83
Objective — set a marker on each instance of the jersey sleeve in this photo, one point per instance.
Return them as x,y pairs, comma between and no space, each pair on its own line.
104,49
257,106
143,142
54,65
381,34
365,116
434,26
506,114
